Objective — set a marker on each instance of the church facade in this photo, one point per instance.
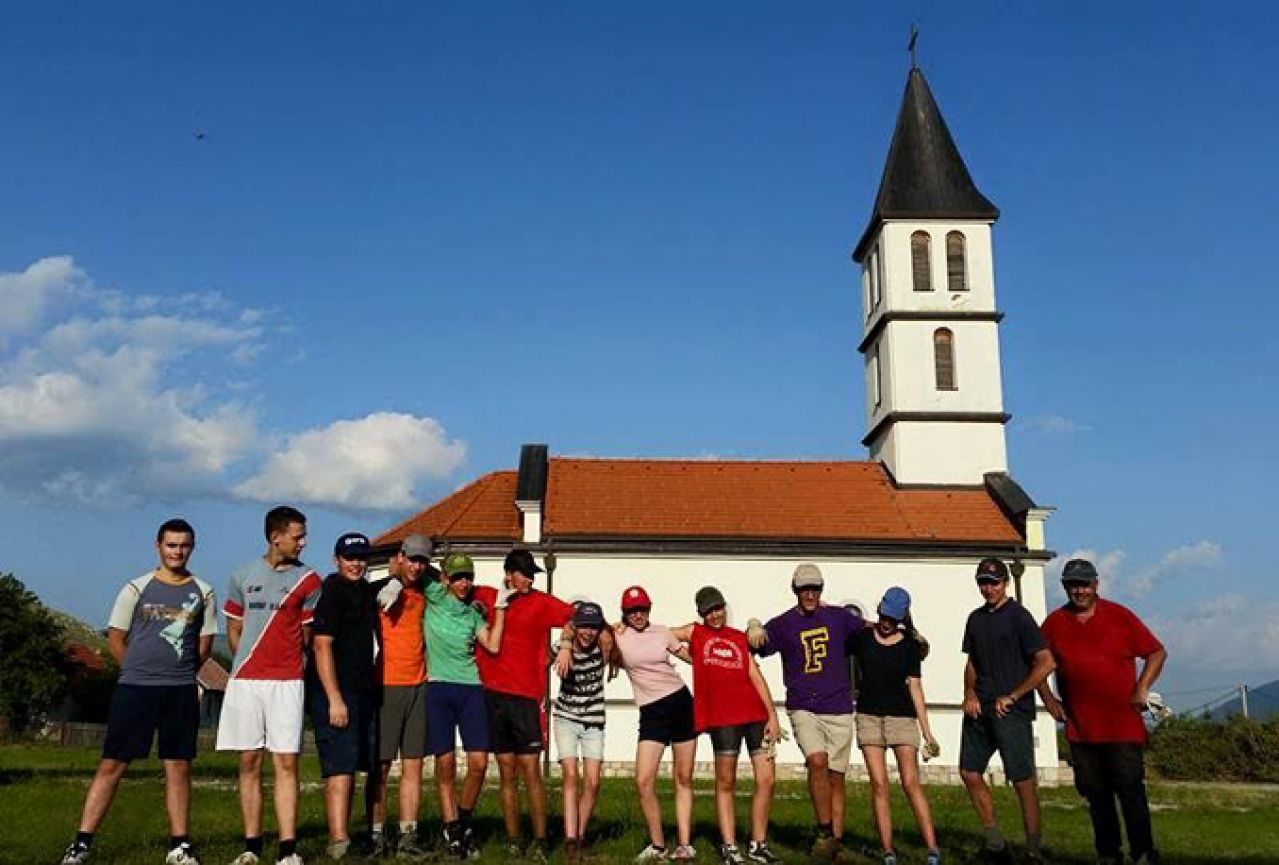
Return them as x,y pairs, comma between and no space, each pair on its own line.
934,498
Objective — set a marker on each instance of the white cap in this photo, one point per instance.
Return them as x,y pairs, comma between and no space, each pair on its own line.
807,576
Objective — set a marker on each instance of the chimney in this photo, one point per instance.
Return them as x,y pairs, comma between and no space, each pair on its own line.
530,491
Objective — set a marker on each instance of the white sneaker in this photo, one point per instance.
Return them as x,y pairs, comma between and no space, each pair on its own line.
75,854
245,858
684,853
181,855
291,859
652,853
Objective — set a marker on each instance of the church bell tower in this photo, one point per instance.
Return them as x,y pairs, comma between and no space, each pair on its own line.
930,337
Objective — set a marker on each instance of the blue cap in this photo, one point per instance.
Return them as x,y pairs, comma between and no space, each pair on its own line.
352,545
896,603
588,615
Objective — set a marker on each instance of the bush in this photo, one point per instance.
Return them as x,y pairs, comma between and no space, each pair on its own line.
1238,749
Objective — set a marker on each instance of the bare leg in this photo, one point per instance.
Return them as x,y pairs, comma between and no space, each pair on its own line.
477,763
908,769
685,753
410,788
571,819
819,785
177,794
1028,796
876,760
286,794
725,781
979,793
530,768
508,776
837,791
251,792
377,798
337,805
590,793
445,775
647,757
762,799
101,792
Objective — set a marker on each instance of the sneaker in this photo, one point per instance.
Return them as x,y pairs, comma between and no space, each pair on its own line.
729,854
337,850
684,853
758,851
934,858
408,848
75,854
245,858
513,848
537,852
375,846
888,857
183,854
652,853
825,848
291,859
470,849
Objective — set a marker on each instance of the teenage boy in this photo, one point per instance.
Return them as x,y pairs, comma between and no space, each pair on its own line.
515,689
160,632
268,609
1007,661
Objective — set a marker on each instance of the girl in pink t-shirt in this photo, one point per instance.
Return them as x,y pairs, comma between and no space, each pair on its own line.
644,651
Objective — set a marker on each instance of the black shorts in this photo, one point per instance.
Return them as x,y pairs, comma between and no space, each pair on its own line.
668,720
344,750
139,712
1010,735
727,741
515,723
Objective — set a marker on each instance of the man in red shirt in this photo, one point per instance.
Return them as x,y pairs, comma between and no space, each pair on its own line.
1096,643
515,682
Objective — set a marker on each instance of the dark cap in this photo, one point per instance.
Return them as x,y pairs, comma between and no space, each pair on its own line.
588,615
417,547
522,562
352,545
991,569
1079,571
708,598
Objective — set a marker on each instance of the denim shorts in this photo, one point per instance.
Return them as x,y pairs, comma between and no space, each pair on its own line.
574,739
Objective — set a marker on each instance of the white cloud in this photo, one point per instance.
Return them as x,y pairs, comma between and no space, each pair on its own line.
1224,635
1053,425
25,296
375,462
1122,582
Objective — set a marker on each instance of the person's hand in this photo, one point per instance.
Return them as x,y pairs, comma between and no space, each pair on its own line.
503,598
772,728
1055,709
480,607
338,715
1004,705
931,749
620,627
563,661
972,706
389,594
1140,697
755,634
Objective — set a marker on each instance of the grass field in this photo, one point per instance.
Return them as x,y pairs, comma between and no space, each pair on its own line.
41,790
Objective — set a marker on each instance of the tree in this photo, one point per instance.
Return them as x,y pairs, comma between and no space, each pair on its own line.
33,673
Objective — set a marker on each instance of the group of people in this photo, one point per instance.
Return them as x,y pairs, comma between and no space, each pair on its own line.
412,663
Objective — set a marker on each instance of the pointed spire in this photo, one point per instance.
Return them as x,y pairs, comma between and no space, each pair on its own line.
924,177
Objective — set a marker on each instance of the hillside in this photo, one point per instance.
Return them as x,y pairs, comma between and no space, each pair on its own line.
1263,704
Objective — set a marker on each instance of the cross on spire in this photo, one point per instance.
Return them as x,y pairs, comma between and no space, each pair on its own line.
910,46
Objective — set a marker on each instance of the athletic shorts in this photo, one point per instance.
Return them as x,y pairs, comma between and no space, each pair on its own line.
344,750
574,739
1010,735
831,735
262,713
457,709
727,741
668,720
402,722
886,731
515,723
140,712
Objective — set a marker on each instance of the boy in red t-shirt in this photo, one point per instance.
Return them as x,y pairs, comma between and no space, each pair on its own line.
732,704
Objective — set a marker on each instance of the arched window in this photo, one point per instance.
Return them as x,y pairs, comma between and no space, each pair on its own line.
956,262
944,359
921,265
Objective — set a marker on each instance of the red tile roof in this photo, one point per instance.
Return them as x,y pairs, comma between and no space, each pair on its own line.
641,498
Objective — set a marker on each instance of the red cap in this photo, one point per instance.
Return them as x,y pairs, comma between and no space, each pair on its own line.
635,597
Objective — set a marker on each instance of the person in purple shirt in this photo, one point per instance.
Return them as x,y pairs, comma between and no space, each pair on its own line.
813,639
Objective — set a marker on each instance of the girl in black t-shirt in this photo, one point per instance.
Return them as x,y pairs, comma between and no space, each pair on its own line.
891,714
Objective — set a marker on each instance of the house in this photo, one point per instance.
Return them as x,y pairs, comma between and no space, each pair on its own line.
933,499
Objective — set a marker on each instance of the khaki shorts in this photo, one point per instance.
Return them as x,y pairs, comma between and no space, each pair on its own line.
829,734
886,731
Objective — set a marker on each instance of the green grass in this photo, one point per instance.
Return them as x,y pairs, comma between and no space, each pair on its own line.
42,788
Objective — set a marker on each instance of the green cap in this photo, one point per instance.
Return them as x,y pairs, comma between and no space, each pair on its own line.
458,563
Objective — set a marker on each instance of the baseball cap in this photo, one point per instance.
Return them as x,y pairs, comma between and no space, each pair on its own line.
708,598
588,615
417,547
352,545
635,598
895,604
521,561
807,576
991,569
1078,571
458,563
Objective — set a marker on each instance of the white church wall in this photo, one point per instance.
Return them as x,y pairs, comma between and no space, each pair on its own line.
899,291
912,384
926,452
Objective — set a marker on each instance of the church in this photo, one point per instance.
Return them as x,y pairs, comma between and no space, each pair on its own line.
933,499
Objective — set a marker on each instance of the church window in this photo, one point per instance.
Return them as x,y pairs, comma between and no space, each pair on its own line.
876,277
921,265
875,380
956,262
944,359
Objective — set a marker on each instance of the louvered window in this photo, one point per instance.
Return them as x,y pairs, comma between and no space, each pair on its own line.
876,380
956,262
921,265
876,277
944,359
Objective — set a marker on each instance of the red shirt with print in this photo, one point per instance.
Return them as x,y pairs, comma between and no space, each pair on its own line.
723,695
1097,671
519,668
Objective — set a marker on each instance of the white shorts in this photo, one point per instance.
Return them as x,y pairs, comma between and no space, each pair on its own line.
261,713
572,736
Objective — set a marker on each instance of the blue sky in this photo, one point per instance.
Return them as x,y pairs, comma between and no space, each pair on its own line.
415,236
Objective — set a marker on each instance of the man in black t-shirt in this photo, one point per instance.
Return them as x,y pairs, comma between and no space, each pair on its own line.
341,682
1007,661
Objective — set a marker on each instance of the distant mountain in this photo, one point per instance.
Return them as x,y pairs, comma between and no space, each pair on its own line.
1263,704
